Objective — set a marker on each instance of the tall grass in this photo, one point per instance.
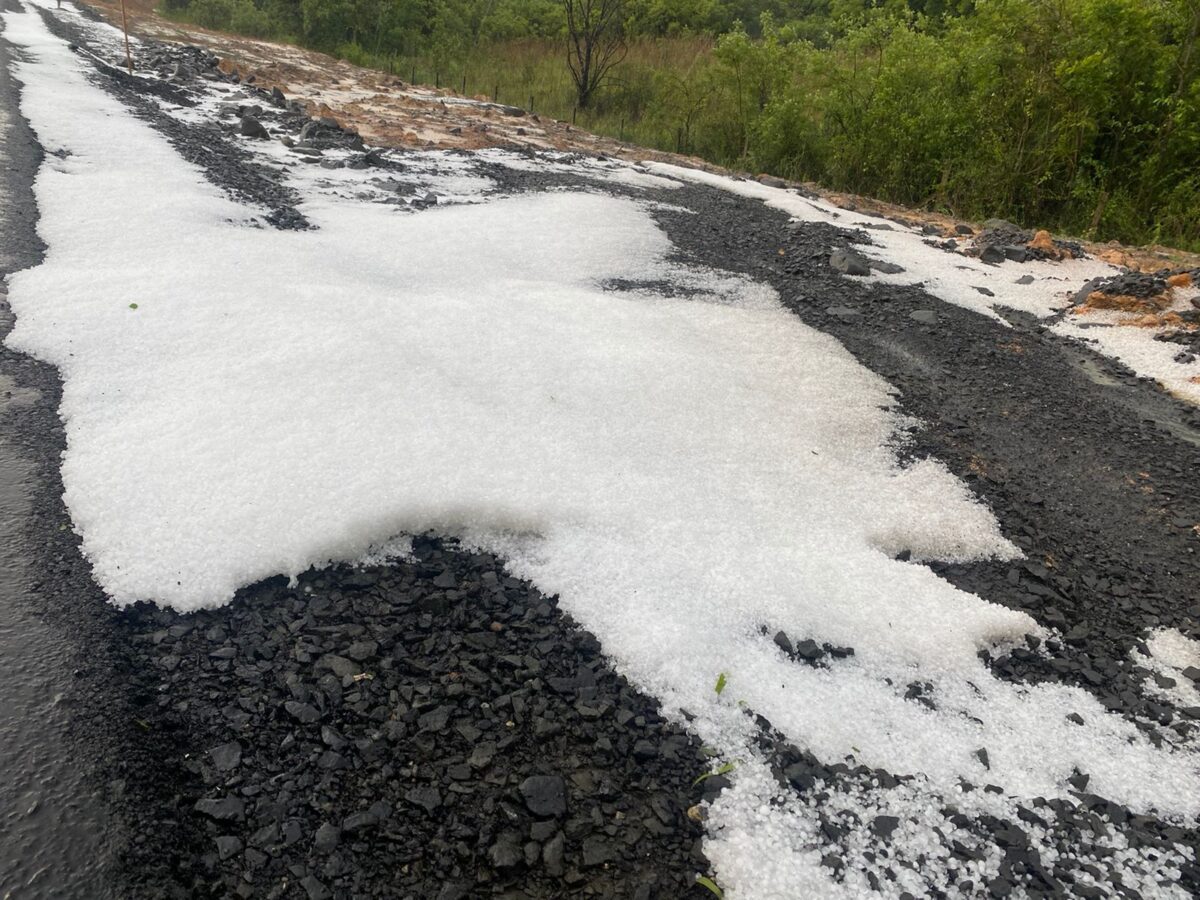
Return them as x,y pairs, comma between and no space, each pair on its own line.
638,104
992,113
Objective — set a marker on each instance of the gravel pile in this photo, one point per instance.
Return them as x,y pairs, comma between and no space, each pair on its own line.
999,240
430,728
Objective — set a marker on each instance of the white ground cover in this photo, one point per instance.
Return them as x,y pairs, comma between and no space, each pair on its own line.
241,402
954,277
1170,653
1109,332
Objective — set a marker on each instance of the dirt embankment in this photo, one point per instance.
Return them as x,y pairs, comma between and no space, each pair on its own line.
390,112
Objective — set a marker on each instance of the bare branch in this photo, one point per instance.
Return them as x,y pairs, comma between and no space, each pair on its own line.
595,42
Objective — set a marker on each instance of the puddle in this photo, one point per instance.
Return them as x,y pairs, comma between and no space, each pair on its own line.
1094,372
1171,415
50,825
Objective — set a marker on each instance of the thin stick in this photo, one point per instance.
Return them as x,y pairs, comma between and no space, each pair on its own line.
125,25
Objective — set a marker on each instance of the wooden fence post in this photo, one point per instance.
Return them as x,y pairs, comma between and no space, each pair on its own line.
125,27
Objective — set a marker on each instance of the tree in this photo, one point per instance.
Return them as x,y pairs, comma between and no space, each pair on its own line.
595,43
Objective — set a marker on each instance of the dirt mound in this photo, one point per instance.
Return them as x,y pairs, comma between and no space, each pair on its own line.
1000,240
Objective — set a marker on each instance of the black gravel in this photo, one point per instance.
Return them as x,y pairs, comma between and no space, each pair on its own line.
435,728
427,728
1087,467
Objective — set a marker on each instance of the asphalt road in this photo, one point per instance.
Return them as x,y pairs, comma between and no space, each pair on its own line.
52,826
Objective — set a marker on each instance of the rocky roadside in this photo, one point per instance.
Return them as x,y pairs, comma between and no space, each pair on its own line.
1085,464
434,728
429,728
393,113
426,728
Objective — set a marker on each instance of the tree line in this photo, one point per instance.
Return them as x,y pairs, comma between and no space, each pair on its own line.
1079,115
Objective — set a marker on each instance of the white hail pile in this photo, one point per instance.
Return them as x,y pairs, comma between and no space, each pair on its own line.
1171,653
242,401
955,278
1115,334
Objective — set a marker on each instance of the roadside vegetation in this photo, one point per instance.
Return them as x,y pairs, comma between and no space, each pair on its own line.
1078,115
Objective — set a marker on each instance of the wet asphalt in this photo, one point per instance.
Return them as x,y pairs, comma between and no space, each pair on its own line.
53,830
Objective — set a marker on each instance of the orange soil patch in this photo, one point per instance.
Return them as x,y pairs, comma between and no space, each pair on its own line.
1160,320
1043,241
1127,303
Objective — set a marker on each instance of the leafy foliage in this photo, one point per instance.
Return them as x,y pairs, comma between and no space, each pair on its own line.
1079,115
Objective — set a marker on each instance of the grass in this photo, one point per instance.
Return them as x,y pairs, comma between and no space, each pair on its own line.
637,105
645,100
670,94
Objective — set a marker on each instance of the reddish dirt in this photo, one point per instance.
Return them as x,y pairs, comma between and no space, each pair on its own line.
389,112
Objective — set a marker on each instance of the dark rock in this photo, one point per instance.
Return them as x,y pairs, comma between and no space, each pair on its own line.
596,851
314,889
360,821
226,756
643,751
427,797
302,712
808,650
327,838
849,263
340,666
545,795
552,855
506,852
883,826
482,755
362,651
228,846
252,128
228,809
844,312
435,720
